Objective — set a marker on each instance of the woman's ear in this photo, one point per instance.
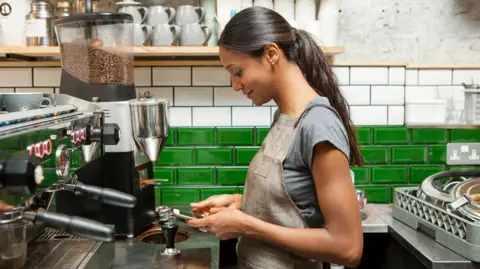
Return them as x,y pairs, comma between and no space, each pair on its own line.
272,53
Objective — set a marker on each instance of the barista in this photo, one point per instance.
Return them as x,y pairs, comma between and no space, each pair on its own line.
299,206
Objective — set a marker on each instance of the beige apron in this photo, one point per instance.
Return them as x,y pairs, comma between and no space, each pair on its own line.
266,198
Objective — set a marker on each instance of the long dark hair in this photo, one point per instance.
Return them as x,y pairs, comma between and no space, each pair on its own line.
253,28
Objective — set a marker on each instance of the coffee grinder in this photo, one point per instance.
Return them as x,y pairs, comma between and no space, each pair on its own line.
97,66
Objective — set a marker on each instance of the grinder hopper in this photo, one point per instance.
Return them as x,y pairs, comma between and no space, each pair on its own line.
150,123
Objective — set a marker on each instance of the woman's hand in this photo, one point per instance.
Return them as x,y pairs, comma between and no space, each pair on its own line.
214,203
226,224
4,207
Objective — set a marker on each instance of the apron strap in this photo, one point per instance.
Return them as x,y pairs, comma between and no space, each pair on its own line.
317,105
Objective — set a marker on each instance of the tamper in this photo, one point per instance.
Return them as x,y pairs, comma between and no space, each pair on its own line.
170,230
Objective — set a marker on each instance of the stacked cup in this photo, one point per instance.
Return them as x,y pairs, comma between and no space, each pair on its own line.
193,33
165,33
142,32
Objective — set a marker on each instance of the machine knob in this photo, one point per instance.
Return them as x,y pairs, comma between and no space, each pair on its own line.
109,134
21,174
170,230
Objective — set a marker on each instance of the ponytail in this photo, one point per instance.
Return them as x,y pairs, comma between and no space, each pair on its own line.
252,28
314,65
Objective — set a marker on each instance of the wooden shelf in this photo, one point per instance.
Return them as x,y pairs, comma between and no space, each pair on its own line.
143,52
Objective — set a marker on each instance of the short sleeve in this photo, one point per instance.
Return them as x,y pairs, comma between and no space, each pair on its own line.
321,125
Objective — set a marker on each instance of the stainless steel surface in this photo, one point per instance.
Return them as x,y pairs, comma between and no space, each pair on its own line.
88,151
54,249
462,192
134,254
472,105
371,220
39,29
164,213
452,231
432,254
150,123
360,198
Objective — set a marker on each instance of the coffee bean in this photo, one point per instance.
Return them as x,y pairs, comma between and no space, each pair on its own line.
95,65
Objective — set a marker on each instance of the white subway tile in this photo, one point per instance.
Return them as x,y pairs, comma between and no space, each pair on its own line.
172,76
396,115
418,94
396,75
411,77
251,116
388,95
356,95
212,116
158,92
15,77
180,116
343,75
226,96
44,77
466,76
193,96
369,115
7,90
435,77
368,75
210,76
455,93
41,90
143,76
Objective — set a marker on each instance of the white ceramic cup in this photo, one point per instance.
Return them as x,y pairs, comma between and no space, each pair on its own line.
165,35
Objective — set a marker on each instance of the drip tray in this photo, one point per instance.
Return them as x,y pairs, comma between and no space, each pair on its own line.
54,249
199,258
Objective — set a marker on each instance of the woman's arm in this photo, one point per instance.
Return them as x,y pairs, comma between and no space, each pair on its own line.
341,241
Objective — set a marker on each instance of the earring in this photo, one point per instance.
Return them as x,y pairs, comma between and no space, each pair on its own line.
273,63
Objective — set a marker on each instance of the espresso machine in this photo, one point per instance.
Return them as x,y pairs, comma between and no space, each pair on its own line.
97,67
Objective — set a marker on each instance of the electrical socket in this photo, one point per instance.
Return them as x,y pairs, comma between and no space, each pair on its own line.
463,153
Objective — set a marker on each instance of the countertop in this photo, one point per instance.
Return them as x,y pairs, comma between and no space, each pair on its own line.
135,254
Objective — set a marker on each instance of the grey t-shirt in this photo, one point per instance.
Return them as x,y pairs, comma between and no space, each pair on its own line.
319,125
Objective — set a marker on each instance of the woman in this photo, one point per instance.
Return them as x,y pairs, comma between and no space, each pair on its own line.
299,206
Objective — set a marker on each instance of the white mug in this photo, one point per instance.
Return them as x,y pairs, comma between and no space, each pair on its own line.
141,34
194,34
160,15
165,35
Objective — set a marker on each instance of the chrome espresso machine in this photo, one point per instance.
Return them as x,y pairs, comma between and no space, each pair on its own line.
90,148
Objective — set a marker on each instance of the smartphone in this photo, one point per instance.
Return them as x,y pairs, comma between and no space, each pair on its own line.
177,214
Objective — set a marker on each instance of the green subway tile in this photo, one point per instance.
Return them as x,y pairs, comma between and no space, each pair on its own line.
463,167
409,155
390,135
240,190
164,176
195,176
235,136
465,135
179,196
362,174
214,156
171,137
243,156
375,155
195,136
393,187
364,135
429,136
389,174
176,156
376,194
231,176
261,135
437,154
207,192
420,173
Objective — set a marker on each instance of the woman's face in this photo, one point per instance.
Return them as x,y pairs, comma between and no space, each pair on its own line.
253,76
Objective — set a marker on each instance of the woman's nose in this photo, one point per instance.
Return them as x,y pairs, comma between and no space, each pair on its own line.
236,86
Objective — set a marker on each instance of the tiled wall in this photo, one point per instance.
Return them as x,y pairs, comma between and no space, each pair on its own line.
217,131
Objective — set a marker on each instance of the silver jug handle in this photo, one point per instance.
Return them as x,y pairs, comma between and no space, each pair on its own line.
208,34
145,13
172,13
176,35
149,33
